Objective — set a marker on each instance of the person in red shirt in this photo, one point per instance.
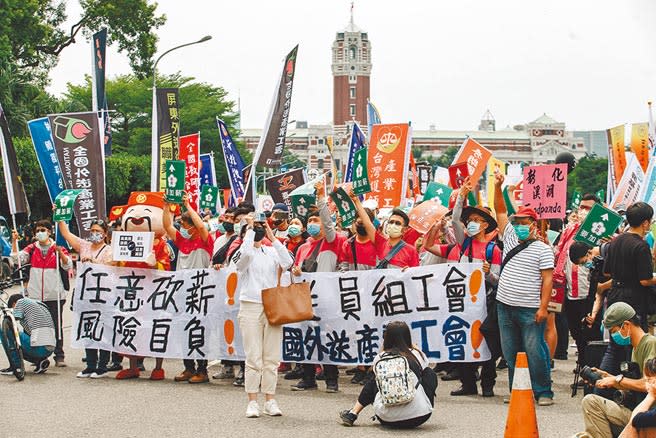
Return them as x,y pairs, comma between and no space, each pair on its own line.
295,236
396,252
360,252
195,247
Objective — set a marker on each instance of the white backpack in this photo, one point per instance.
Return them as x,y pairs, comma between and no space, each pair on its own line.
397,383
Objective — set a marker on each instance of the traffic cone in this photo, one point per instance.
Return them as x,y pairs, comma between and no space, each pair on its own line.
522,421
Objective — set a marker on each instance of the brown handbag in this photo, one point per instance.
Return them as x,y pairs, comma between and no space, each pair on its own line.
287,304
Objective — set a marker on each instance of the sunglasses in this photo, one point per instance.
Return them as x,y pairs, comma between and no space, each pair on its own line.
98,222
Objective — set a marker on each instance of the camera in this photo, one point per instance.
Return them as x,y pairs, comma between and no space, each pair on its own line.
260,216
589,375
628,399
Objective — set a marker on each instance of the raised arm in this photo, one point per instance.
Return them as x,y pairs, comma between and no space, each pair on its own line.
167,223
458,229
285,259
364,217
324,213
71,238
198,222
499,204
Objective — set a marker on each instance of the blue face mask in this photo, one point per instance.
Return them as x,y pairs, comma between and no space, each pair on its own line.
313,229
185,233
221,228
588,265
293,230
523,231
473,228
376,222
619,339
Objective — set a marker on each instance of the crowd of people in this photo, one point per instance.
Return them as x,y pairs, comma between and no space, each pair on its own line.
608,295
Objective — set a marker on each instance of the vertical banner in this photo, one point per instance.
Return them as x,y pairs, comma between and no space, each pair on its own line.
98,95
280,186
413,180
234,163
175,181
209,197
640,143
15,190
206,172
189,153
494,166
545,190
44,147
629,186
272,142
387,163
475,155
361,175
616,155
373,117
80,153
425,176
357,142
168,131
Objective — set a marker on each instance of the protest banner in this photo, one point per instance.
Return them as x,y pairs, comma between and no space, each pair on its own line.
192,313
132,246
361,179
209,196
98,97
44,147
264,203
425,215
629,187
175,181
640,143
494,167
167,140
545,190
648,190
373,117
576,200
387,163
234,164
207,172
16,196
189,153
616,155
475,155
281,186
425,176
441,175
439,191
357,143
80,155
601,194
345,206
457,174
600,222
64,205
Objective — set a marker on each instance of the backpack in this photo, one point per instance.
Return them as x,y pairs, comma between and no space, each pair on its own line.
397,383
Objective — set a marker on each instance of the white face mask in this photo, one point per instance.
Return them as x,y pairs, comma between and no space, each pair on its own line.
473,228
42,236
394,230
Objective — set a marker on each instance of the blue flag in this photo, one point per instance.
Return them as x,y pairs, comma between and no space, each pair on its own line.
233,161
357,143
373,117
207,174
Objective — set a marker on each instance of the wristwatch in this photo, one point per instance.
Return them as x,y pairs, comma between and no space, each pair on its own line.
619,378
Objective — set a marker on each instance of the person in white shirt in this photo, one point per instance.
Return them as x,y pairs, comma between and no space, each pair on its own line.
258,267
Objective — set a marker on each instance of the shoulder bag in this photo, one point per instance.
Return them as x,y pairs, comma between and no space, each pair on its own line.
287,304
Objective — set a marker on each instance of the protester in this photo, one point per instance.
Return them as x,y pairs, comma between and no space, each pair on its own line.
258,267
49,262
319,254
280,221
38,335
296,236
225,235
396,252
195,247
94,250
397,344
525,286
602,416
643,417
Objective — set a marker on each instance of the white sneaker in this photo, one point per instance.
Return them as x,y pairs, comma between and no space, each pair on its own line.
85,373
271,408
253,409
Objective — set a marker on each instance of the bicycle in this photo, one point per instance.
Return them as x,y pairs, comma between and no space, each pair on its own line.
9,329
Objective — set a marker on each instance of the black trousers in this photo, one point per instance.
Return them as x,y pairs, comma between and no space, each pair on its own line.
52,308
488,374
561,329
97,359
190,366
310,373
575,311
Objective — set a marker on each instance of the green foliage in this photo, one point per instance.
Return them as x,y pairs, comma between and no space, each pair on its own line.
589,176
126,173
446,159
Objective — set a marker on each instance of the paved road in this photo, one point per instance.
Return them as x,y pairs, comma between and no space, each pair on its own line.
56,404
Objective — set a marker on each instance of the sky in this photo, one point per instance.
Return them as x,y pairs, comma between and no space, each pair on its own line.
588,63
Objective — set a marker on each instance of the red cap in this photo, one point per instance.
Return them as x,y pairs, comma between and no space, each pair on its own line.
526,212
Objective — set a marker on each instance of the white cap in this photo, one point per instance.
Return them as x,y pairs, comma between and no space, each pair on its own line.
371,204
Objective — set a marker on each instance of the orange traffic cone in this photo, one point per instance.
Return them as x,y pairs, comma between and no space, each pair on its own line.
521,422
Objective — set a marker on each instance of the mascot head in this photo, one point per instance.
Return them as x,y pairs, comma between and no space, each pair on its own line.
144,212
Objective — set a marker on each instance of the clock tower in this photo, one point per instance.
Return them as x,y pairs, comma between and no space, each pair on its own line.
351,67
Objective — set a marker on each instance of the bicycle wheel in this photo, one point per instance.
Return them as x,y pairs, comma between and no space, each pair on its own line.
12,350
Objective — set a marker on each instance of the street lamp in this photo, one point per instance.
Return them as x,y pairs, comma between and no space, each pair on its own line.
154,171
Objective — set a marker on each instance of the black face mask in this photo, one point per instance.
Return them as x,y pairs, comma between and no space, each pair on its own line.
259,233
361,230
229,227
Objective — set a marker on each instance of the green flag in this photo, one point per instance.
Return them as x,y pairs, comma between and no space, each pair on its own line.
599,223
345,206
175,181
576,200
509,204
64,204
302,198
601,194
440,191
360,175
208,197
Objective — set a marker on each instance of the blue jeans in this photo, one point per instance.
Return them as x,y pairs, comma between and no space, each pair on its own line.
32,354
520,332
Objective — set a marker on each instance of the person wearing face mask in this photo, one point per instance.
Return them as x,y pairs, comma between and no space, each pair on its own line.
45,285
194,252
319,254
94,250
630,266
523,294
394,251
258,267
280,221
603,417
295,236
226,235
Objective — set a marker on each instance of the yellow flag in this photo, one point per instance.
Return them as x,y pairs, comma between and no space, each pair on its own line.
640,143
493,166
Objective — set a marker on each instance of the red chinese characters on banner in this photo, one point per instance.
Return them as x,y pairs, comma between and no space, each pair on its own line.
387,163
190,152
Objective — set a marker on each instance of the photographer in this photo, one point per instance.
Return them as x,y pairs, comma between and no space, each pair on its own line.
643,418
603,416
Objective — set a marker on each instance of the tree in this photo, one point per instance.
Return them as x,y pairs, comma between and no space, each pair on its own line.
130,100
589,176
446,158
